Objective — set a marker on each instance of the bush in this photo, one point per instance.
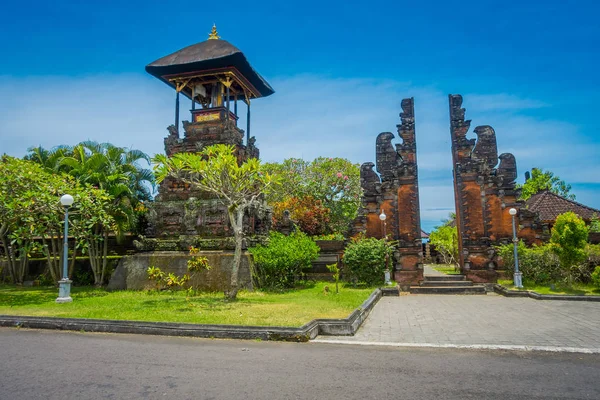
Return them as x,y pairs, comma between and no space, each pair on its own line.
596,277
538,264
364,259
541,264
278,264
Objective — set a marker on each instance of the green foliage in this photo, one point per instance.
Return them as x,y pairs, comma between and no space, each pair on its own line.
365,259
333,181
596,277
118,173
163,279
538,264
197,263
544,180
594,224
216,170
32,218
569,239
278,264
333,268
331,236
445,240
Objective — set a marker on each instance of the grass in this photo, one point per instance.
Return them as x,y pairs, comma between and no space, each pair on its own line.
577,288
290,308
447,269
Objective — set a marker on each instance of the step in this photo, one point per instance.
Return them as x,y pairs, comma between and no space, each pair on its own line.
427,283
448,290
444,277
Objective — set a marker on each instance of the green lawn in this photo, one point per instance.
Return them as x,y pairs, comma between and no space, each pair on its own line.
577,288
291,308
446,269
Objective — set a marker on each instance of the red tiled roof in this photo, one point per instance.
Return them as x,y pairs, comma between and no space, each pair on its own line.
549,206
424,235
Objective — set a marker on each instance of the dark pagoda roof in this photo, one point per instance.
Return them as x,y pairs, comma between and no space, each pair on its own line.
550,205
212,54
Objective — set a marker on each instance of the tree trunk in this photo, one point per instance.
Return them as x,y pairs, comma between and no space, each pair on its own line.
8,250
104,256
236,218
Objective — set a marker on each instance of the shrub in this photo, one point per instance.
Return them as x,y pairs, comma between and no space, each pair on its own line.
596,277
364,259
278,264
538,264
541,265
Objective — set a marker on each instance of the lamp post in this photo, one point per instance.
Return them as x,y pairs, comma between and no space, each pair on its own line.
518,277
64,285
383,217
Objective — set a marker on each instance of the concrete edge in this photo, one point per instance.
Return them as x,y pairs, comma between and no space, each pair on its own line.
556,349
339,327
535,295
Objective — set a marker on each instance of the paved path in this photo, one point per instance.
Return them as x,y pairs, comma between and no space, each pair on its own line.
489,321
429,271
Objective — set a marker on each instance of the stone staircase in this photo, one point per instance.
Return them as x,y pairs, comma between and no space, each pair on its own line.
447,284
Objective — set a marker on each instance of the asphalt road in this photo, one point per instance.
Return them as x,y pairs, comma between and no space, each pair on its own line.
67,365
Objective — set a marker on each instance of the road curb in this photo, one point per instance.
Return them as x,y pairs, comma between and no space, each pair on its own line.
338,327
554,349
534,295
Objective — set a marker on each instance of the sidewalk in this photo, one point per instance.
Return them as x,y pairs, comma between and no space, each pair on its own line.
489,321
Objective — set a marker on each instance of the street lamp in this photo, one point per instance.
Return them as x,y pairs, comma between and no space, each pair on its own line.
518,277
383,217
64,285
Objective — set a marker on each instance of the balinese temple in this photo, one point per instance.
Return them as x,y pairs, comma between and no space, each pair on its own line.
214,78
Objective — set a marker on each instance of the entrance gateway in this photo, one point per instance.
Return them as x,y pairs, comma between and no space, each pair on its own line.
215,76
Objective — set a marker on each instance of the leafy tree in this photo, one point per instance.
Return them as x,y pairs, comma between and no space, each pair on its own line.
30,213
216,170
333,181
545,180
445,240
569,240
310,214
115,170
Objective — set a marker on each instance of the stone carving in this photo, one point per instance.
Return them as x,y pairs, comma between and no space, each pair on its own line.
394,189
486,149
180,211
507,170
484,185
369,180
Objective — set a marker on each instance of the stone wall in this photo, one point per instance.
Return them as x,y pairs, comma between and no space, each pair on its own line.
131,271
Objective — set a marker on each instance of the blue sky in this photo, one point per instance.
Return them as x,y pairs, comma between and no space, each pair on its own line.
72,71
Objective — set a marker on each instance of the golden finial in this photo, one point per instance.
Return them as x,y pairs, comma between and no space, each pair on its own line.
213,34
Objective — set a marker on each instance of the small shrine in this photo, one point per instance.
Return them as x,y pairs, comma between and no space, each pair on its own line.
214,78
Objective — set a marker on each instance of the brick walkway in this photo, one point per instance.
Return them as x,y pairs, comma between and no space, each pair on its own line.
487,321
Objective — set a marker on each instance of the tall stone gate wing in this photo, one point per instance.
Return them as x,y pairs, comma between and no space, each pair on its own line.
394,190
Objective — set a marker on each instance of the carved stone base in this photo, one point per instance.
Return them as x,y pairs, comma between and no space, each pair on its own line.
183,243
482,276
406,279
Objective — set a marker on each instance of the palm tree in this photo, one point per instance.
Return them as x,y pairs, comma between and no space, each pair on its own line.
117,171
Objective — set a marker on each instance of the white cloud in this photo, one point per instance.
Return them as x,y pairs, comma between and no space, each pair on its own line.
308,116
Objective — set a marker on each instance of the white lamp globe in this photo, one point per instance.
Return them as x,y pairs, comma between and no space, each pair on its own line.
512,211
66,200
382,216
